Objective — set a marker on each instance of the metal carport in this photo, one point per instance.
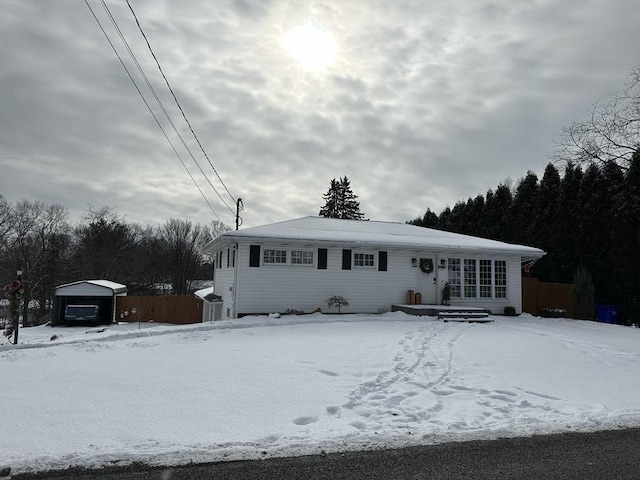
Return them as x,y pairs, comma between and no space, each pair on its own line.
88,292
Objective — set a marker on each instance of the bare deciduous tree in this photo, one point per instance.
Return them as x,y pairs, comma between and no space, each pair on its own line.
182,244
610,135
36,240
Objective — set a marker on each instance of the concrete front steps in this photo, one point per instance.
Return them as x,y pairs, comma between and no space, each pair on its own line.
447,313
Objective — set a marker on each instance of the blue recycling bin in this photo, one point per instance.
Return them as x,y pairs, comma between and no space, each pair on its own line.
607,313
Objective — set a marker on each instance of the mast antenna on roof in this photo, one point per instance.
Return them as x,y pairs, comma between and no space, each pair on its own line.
239,208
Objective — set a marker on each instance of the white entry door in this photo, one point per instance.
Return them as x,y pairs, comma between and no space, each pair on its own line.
426,282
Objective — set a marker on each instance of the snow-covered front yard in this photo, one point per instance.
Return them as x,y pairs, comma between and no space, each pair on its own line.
259,387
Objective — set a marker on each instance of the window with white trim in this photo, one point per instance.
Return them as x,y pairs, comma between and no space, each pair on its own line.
470,280
485,278
367,260
477,278
301,257
271,256
454,276
500,278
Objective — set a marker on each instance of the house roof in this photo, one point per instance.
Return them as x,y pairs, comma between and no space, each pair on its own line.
207,295
115,287
321,230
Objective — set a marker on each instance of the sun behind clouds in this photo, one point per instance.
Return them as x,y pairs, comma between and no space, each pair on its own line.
313,47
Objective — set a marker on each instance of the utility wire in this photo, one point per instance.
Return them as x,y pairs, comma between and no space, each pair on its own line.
176,99
149,108
160,104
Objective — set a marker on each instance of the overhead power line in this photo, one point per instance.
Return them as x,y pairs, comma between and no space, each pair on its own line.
160,104
150,109
176,99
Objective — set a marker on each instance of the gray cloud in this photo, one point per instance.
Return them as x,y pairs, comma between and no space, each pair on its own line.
427,102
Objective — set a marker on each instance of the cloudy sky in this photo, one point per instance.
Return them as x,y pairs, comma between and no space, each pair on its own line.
420,103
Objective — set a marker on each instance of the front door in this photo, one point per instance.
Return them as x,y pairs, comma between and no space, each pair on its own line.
426,281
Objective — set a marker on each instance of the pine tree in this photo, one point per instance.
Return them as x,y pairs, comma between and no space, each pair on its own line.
523,209
497,214
583,294
428,220
568,224
341,202
624,256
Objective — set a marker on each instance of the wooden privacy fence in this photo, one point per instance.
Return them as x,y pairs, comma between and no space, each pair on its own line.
537,295
160,309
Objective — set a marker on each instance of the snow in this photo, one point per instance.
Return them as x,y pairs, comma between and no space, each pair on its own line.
259,387
358,232
100,283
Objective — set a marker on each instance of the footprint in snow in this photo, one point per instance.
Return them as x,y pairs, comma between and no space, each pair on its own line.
305,420
358,425
333,410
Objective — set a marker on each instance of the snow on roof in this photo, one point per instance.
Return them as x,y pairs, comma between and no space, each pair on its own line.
116,287
372,233
207,294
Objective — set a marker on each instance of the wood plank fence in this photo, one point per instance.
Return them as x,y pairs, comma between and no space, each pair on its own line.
178,309
537,295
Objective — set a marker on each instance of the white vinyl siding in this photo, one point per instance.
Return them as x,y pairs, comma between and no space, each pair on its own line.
271,289
278,287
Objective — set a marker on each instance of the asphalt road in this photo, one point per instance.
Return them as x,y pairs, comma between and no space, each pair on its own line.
602,455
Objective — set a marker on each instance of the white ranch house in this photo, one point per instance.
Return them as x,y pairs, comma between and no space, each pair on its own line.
298,264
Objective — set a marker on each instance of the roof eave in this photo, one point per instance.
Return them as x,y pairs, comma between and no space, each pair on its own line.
229,238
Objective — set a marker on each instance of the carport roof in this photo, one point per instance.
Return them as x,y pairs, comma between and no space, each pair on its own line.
117,288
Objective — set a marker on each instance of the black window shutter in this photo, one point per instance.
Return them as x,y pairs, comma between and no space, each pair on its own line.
254,255
382,261
346,259
322,258
233,258
228,257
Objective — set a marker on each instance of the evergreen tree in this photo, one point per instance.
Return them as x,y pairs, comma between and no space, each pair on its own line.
544,221
497,214
523,209
341,202
443,220
567,225
583,294
458,219
428,220
599,246
625,258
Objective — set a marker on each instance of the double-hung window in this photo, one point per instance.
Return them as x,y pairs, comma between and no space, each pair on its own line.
501,278
301,257
454,277
366,260
485,278
271,256
470,280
